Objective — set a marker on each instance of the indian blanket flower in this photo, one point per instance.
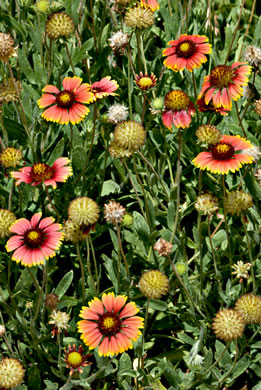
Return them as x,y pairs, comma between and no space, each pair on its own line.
224,157
75,359
11,373
204,107
35,240
152,4
105,87
59,25
249,306
67,105
228,325
110,323
178,109
43,173
11,157
187,52
224,84
145,82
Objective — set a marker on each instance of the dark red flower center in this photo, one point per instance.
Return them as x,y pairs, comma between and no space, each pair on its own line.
41,172
185,49
65,99
33,238
109,324
221,76
222,151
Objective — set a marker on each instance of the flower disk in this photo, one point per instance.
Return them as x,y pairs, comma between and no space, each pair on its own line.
249,306
145,82
35,240
130,135
10,157
7,49
83,211
7,219
237,202
114,212
59,25
139,18
11,373
228,325
110,323
208,135
154,284
187,52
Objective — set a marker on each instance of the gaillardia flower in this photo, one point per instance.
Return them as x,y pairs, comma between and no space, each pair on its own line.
228,325
204,107
43,173
145,82
75,359
178,109
105,87
223,157
67,105
224,84
110,323
60,320
35,240
11,373
152,4
187,52
207,204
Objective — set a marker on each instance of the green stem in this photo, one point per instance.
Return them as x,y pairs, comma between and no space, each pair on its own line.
93,28
195,93
129,84
240,121
51,203
143,333
139,50
10,196
142,54
226,227
234,33
249,254
69,57
89,266
224,377
71,140
123,256
95,264
82,272
177,183
218,276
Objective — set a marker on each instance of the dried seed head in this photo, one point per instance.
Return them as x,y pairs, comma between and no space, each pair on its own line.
252,55
258,176
7,49
117,113
8,92
51,301
118,42
163,247
208,135
207,204
255,152
228,325
11,157
154,284
11,373
258,107
241,269
130,135
139,18
249,307
237,202
83,211
114,212
7,219
59,25
60,320
72,231
2,330
118,151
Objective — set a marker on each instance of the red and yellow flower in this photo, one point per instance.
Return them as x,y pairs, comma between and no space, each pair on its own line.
75,359
224,157
145,82
152,4
110,323
187,52
105,87
178,109
203,107
43,173
224,84
67,105
35,240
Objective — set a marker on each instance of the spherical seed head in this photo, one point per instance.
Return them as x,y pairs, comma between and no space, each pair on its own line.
258,107
255,152
60,320
258,176
114,212
11,157
42,5
252,55
118,41
83,211
72,231
8,91
118,151
237,202
228,325
51,301
7,49
11,373
59,25
2,330
117,113
139,18
207,204
163,247
249,307
130,135
127,220
208,135
241,269
154,284
247,92
7,219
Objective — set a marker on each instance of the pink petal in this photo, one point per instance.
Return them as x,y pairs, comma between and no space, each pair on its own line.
35,219
20,226
71,83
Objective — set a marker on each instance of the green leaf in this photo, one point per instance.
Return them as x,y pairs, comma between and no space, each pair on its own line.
25,281
111,274
156,304
26,67
81,53
78,157
171,215
10,21
15,131
34,378
240,368
64,284
110,187
57,152
50,385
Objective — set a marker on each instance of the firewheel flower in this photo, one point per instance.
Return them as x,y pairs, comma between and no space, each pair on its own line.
35,240
75,359
223,157
105,87
224,84
152,4
178,109
187,52
110,323
67,105
43,173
